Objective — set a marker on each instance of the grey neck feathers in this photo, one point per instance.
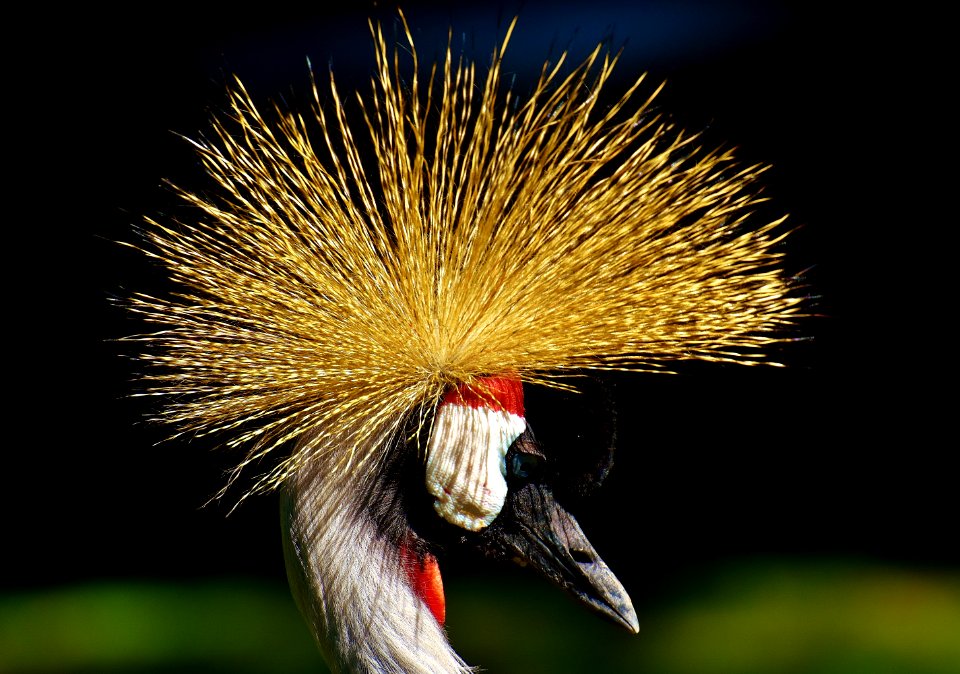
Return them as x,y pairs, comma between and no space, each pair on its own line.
348,582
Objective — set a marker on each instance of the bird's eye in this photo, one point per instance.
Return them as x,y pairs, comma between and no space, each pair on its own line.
525,466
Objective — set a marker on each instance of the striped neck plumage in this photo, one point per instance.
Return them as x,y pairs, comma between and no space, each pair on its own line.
374,605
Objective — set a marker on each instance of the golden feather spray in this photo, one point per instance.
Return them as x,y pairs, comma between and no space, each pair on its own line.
322,291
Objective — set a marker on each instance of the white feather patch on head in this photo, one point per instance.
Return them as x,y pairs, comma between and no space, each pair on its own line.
466,462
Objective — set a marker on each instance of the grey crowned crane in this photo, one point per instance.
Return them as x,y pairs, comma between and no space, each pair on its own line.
377,296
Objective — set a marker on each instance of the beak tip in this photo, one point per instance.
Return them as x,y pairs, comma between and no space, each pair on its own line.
628,618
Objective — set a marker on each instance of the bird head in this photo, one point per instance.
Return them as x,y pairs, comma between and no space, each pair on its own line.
532,526
332,292
399,525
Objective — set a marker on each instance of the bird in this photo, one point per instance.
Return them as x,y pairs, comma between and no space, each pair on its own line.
370,290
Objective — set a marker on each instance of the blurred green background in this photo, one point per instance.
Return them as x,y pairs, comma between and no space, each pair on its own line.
760,616
798,520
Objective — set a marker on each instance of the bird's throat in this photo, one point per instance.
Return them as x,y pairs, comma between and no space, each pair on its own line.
423,572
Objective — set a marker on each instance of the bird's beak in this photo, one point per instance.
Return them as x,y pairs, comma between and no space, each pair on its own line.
544,536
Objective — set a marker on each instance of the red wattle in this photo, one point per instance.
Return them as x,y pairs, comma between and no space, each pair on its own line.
424,576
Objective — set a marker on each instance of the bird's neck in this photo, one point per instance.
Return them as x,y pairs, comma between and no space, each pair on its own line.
374,605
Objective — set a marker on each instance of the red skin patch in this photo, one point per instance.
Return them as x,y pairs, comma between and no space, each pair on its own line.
494,393
424,576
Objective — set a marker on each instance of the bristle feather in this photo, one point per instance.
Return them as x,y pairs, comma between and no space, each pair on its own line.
323,292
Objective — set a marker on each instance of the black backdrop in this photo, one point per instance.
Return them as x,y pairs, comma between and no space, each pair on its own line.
835,455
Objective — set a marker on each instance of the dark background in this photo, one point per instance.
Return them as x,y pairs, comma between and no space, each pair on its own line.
840,455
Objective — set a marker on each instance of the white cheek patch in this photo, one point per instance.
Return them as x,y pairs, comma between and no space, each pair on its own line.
466,461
